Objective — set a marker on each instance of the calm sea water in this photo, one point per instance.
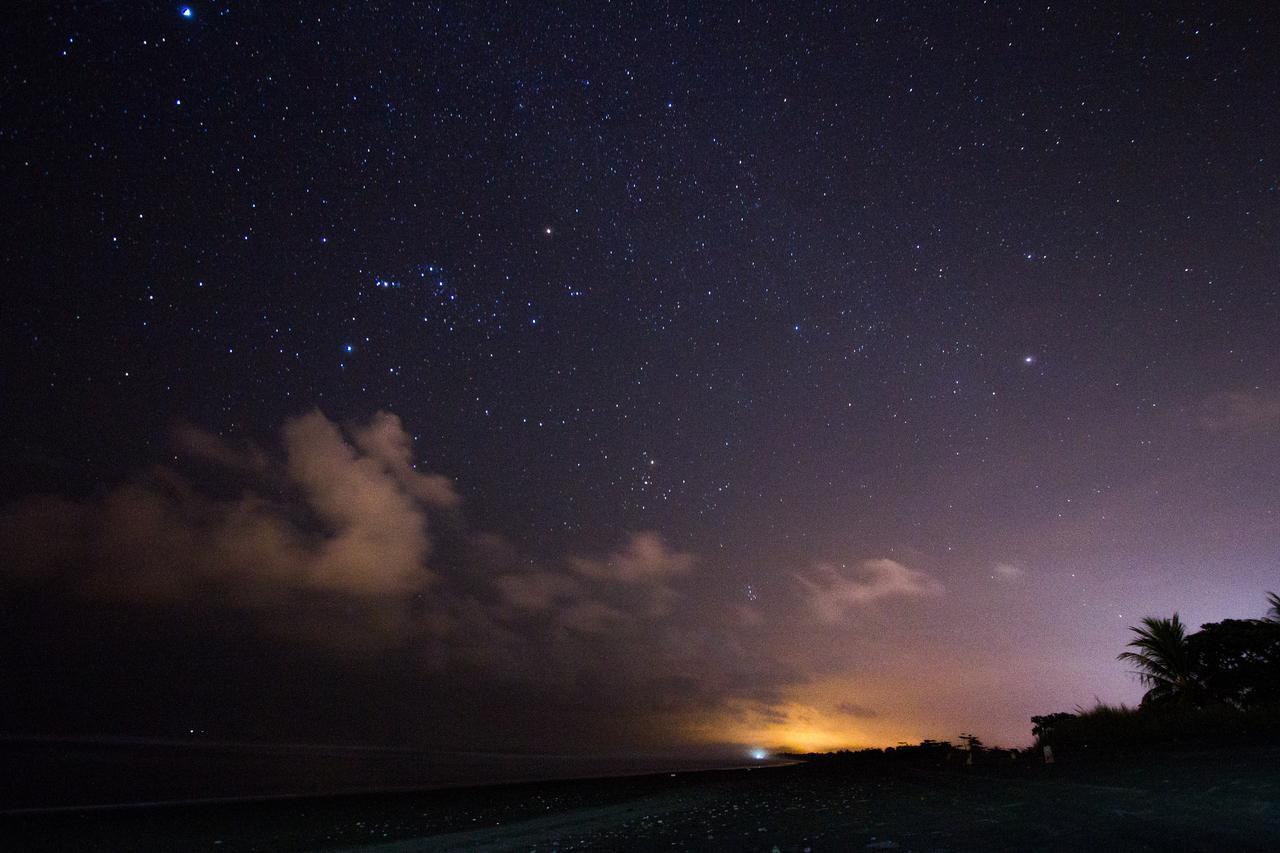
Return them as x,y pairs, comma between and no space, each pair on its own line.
50,774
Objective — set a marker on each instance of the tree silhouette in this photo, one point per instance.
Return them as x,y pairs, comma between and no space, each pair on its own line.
1163,660
1238,661
1044,726
1273,615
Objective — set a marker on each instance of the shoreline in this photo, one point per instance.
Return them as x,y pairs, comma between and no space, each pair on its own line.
1226,799
96,773
356,793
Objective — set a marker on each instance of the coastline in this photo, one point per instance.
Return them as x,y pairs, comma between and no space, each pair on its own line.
83,774
1205,800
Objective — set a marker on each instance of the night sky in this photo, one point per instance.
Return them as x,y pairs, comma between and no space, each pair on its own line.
628,376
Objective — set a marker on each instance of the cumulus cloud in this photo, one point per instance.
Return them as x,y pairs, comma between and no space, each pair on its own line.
1241,412
832,591
339,519
385,439
376,538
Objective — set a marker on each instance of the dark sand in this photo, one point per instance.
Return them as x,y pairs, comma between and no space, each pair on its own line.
1189,801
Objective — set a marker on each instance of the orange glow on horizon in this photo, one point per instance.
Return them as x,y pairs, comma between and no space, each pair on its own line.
792,727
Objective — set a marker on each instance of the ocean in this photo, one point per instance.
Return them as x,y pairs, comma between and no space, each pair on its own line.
65,773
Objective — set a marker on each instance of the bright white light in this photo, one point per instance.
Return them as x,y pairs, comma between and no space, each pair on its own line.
187,12
759,754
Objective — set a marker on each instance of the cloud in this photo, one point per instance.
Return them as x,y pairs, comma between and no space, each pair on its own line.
780,724
644,565
340,519
1241,412
377,528
850,709
595,595
832,591
536,591
1007,571
327,544
592,617
645,558
384,438
201,444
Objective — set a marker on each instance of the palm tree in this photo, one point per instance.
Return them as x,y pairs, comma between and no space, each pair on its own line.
1164,661
1273,615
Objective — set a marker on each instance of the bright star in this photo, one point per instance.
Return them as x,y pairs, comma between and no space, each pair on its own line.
1028,359
187,12
348,348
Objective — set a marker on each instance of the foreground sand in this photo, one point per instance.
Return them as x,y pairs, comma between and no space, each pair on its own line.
1189,801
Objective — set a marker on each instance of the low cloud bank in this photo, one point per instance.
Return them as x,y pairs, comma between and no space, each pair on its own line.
335,541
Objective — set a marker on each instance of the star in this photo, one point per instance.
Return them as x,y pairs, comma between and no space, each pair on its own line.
771,295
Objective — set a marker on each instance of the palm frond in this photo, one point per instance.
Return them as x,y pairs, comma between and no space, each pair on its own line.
1161,658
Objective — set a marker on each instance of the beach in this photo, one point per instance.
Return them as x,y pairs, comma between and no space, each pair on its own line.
1175,801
